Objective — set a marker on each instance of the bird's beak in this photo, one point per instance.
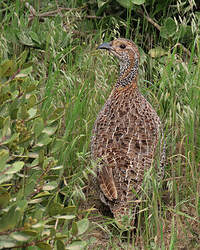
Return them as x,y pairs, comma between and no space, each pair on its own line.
105,46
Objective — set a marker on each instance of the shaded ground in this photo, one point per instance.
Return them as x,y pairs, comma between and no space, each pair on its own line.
179,231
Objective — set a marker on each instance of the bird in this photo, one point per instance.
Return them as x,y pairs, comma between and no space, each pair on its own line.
127,137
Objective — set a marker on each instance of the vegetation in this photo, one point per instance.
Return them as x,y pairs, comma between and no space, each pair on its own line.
54,82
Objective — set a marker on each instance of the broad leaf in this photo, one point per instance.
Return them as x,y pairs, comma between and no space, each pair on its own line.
15,167
4,197
13,216
38,126
60,245
77,245
6,242
74,228
157,52
129,3
43,140
169,28
7,68
19,236
44,246
4,155
82,226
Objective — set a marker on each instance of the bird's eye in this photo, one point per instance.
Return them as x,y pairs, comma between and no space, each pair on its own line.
122,46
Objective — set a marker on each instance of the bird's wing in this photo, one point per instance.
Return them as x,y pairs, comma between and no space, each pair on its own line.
107,184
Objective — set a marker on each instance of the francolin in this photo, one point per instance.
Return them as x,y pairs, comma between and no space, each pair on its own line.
127,137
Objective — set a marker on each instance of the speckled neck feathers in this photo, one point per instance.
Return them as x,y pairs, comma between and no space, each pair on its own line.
128,70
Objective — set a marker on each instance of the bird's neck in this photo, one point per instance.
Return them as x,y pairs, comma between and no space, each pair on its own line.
128,72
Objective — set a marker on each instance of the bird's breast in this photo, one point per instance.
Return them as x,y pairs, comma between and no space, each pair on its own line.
128,126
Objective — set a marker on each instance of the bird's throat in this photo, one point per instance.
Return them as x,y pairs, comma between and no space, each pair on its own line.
128,73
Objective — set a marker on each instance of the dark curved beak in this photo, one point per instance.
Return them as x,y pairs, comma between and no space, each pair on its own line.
104,46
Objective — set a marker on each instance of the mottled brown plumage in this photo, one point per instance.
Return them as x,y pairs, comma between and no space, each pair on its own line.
126,136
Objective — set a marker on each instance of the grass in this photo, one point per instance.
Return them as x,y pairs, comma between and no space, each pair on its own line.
74,81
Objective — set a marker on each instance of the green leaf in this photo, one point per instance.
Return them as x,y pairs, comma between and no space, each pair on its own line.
56,113
24,72
14,137
50,130
6,242
70,210
129,3
16,167
60,245
6,127
13,216
169,28
57,168
65,217
54,207
5,178
74,228
4,197
82,226
39,225
22,58
44,246
77,245
1,122
157,52
42,194
32,100
57,145
138,2
22,113
32,112
184,33
31,87
32,248
34,37
22,204
19,236
36,201
29,187
38,126
24,39
30,232
15,94
7,68
4,155
50,186
43,140
102,5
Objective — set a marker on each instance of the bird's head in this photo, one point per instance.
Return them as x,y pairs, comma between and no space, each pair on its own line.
127,53
125,50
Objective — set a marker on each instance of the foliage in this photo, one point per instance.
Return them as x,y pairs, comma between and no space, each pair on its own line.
53,83
29,201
